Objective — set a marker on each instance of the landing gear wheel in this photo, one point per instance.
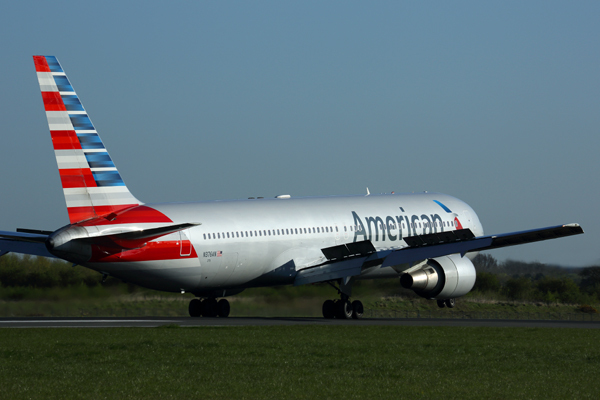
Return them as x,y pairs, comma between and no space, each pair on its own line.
344,309
450,303
209,308
223,308
441,303
357,309
195,308
328,309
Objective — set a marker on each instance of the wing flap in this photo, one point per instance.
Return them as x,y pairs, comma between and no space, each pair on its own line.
361,248
330,271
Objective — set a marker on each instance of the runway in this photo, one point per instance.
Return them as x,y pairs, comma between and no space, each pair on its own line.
153,322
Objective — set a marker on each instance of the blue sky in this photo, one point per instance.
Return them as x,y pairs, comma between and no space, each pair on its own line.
496,103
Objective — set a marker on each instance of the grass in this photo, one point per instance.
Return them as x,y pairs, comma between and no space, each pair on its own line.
138,304
382,298
299,362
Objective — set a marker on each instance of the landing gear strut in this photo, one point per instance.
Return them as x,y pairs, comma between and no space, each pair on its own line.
209,308
450,303
343,308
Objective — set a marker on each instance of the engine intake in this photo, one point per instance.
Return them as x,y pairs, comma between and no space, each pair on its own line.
441,278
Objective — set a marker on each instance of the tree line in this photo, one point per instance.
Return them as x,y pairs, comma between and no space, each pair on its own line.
513,280
517,280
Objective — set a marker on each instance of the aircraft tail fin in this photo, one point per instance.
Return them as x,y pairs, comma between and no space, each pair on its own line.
91,183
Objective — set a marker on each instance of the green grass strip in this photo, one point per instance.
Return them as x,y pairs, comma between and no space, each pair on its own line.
307,362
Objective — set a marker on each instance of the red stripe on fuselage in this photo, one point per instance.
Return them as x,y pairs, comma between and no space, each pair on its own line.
53,101
77,178
41,65
65,140
153,251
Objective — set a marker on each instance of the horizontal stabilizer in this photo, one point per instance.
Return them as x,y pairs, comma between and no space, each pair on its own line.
35,231
24,243
136,239
24,237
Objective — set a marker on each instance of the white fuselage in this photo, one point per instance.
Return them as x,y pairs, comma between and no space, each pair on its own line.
264,242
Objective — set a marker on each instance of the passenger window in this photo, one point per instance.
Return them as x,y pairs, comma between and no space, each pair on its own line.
287,231
250,233
219,235
205,236
255,233
345,230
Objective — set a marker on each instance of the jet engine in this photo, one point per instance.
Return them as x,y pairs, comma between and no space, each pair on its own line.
441,278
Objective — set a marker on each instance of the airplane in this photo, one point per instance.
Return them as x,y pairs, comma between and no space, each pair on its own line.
215,249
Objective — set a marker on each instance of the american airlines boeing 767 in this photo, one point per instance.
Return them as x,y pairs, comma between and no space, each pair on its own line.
215,249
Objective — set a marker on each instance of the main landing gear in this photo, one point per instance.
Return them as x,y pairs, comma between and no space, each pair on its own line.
450,303
343,308
209,308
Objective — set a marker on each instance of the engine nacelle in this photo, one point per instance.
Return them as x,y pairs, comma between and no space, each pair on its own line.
442,278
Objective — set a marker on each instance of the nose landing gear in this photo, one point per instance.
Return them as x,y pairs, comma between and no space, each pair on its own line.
450,303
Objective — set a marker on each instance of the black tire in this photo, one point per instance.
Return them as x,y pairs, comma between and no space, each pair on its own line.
223,308
441,303
450,303
357,309
195,308
344,309
209,308
328,309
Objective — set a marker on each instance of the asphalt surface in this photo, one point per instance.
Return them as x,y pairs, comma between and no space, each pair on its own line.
150,322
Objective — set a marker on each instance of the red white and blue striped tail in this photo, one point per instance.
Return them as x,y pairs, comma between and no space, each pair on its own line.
91,183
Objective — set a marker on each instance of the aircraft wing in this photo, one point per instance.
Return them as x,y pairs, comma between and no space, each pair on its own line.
343,262
25,243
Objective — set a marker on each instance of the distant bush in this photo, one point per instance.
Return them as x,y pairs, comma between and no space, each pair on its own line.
587,309
518,288
23,277
487,282
562,290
